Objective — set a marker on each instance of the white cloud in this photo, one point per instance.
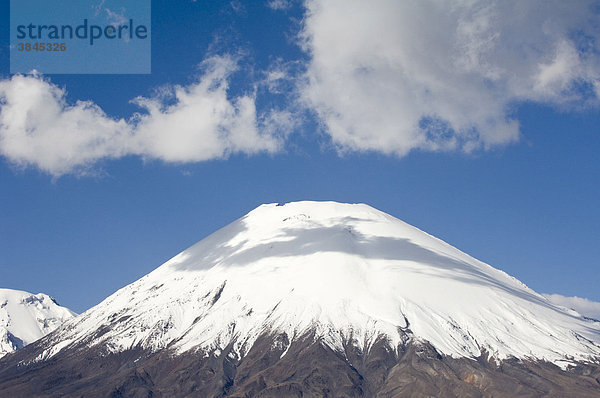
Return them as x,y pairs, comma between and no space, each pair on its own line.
189,123
38,127
202,123
394,76
383,75
583,306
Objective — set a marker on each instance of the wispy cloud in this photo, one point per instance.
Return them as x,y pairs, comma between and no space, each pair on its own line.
279,4
394,76
583,306
192,123
116,18
113,17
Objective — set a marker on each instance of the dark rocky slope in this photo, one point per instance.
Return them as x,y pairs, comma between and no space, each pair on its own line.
308,369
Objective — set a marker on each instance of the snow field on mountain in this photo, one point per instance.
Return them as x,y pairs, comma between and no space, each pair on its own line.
343,271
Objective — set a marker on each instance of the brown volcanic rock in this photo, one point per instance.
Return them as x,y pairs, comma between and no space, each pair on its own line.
308,369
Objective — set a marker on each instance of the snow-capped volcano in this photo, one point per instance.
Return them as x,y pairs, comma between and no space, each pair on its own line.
347,273
25,317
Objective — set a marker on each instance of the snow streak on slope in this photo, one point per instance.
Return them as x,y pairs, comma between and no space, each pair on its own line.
345,272
25,317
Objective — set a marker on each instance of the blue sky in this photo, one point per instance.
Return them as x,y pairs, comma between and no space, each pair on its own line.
476,127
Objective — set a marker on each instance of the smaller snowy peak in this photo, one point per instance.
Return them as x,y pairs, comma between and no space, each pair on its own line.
26,317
